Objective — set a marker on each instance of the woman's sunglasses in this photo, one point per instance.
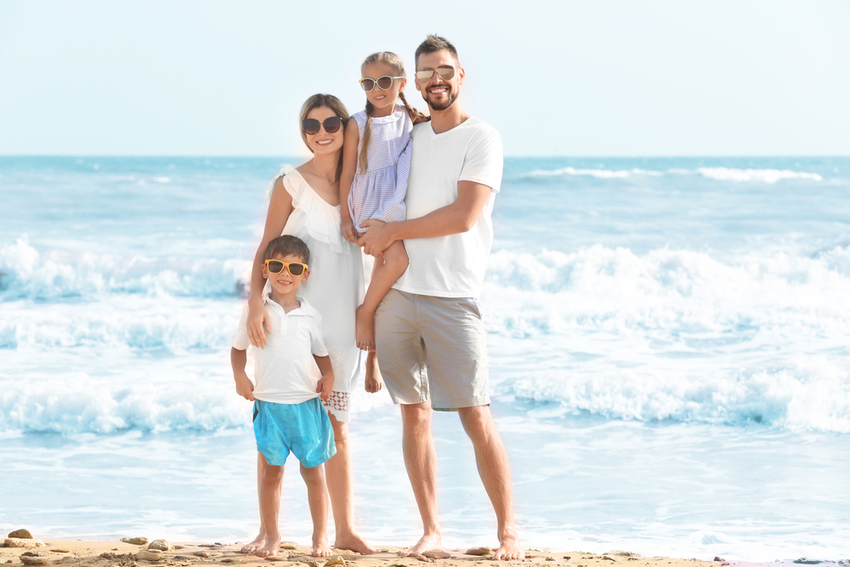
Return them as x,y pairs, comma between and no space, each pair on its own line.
311,126
446,72
294,268
384,83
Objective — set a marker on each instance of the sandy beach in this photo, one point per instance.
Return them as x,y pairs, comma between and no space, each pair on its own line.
124,554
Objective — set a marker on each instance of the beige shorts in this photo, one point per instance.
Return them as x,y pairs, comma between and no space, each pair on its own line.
432,348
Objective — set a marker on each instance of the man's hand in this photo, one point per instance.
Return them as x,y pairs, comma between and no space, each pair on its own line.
258,318
377,239
244,387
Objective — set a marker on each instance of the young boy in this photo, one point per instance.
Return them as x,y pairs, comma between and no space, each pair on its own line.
292,372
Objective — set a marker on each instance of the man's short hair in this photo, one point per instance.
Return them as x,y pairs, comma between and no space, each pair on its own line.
434,43
286,245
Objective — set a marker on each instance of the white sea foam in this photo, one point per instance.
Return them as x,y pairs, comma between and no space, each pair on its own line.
598,173
762,175
27,273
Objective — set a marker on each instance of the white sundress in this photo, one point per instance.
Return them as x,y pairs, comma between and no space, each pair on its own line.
335,287
379,192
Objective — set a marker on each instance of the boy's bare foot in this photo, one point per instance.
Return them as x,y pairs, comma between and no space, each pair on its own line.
254,545
431,542
321,548
270,549
364,329
509,550
353,542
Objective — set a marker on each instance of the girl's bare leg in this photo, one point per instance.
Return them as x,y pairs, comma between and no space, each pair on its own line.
338,471
317,497
270,478
384,275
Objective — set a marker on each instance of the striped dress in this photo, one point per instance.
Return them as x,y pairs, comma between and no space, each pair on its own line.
379,192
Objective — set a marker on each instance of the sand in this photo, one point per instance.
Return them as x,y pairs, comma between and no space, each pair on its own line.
123,554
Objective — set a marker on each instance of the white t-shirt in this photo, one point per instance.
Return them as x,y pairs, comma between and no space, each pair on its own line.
285,372
450,266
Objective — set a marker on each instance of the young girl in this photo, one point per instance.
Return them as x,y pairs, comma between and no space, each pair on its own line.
376,163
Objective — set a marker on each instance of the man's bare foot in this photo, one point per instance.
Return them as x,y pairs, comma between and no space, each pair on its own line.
353,542
431,542
270,549
509,550
321,548
254,545
364,329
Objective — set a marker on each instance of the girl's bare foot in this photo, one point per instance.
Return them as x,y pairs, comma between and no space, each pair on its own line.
321,548
353,542
270,549
364,329
432,542
256,544
373,382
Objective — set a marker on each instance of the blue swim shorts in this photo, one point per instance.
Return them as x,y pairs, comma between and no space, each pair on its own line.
304,429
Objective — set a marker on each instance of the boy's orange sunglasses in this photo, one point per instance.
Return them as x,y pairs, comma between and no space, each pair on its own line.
294,268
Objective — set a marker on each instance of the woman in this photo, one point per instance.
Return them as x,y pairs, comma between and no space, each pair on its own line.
304,202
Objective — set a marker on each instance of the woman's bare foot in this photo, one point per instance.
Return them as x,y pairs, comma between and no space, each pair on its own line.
431,542
353,542
321,547
270,549
509,550
364,329
256,544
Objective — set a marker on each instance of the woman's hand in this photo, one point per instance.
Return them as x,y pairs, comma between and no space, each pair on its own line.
258,318
347,228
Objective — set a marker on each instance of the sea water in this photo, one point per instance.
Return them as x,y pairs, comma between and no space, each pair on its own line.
668,343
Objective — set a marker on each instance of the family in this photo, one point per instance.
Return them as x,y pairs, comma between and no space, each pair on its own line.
416,193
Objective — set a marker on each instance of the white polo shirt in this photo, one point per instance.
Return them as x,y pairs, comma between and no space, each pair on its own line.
285,371
453,265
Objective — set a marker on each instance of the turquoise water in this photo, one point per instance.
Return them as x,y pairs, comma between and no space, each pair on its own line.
668,343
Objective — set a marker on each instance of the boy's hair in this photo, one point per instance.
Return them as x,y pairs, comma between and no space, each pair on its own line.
286,245
394,61
434,43
329,101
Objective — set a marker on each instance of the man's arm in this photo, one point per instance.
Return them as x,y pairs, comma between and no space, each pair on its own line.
458,217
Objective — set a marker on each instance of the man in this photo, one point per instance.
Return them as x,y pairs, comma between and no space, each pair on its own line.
431,319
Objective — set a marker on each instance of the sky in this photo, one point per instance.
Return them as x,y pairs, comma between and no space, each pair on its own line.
601,78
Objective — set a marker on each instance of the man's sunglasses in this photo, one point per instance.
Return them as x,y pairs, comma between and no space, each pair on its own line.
384,83
294,268
446,72
311,125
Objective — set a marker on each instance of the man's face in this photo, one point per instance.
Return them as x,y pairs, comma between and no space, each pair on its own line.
438,92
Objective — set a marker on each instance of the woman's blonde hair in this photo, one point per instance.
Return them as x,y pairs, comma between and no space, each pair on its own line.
329,101
393,61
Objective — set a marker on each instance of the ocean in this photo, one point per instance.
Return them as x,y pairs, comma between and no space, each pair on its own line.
668,342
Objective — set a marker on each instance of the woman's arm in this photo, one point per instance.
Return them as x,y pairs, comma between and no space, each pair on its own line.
280,207
349,167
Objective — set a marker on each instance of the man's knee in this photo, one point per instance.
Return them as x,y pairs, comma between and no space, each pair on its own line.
416,416
478,422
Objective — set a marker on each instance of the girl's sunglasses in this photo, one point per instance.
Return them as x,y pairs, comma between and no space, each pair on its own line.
311,126
384,83
294,268
445,71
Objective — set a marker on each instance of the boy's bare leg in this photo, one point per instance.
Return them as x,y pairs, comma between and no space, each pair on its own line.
420,459
338,471
261,537
317,497
384,275
269,489
494,469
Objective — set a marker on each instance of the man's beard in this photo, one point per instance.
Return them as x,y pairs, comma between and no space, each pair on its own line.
442,106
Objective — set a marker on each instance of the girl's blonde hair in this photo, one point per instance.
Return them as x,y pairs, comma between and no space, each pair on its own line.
393,61
329,101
